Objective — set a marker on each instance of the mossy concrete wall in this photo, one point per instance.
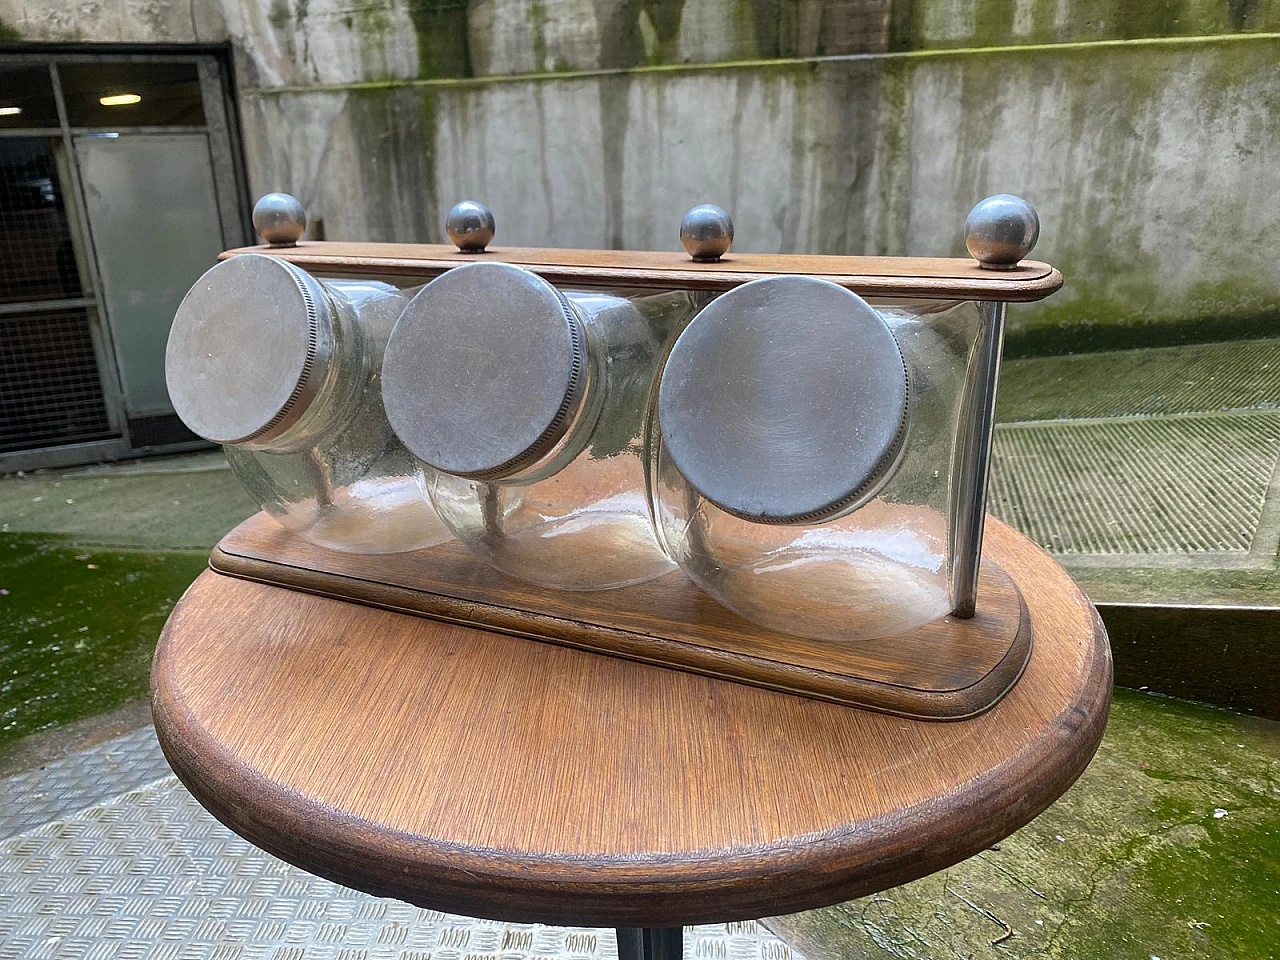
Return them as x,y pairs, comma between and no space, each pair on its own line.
1153,165
317,40
1154,162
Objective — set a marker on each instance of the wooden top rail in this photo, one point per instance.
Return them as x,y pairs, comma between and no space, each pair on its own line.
913,277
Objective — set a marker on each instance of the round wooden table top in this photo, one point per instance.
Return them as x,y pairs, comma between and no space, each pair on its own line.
500,777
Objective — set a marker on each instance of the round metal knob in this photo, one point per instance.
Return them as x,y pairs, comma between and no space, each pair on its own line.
1000,231
485,371
279,219
706,232
470,226
785,401
249,349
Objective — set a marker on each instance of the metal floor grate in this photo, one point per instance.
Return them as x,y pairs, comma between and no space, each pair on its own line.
1171,485
1128,383
148,874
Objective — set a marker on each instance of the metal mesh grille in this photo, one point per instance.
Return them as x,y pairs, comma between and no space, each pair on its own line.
37,259
49,387
164,430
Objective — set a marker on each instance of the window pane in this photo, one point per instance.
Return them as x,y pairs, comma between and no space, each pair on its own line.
26,97
37,259
136,94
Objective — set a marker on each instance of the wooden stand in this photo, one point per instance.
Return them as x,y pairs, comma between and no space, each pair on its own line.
922,277
946,670
493,776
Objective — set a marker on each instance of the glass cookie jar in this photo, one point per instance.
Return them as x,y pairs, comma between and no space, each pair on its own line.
284,371
802,472
529,407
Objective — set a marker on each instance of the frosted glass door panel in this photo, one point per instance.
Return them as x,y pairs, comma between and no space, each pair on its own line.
153,216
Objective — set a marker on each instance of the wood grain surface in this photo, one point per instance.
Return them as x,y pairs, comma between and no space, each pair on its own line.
948,669
488,775
943,278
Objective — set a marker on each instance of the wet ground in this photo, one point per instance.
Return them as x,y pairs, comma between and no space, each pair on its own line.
1150,474
91,563
1168,846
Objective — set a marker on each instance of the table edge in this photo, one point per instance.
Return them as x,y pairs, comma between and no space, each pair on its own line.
781,876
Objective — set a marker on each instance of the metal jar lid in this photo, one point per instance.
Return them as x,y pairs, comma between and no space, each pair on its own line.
785,400
485,370
248,350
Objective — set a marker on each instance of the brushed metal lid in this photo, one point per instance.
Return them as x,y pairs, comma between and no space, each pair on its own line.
785,400
484,371
248,349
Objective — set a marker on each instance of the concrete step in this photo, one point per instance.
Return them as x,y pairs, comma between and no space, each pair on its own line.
1152,475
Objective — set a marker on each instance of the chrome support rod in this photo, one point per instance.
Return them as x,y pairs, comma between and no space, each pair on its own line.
973,463
650,943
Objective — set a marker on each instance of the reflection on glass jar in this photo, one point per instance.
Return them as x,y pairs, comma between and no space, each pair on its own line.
284,371
530,406
803,472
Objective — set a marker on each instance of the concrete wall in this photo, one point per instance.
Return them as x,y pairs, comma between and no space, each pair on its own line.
1155,163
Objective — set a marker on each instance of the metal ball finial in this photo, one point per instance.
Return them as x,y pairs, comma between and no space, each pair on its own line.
280,219
470,226
1000,231
706,232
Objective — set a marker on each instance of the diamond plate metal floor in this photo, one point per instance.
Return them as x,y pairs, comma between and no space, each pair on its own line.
144,872
79,780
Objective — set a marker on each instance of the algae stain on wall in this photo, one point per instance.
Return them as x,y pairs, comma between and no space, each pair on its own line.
615,116
444,44
638,32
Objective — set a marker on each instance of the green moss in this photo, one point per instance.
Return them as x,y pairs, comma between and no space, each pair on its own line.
1120,315
664,16
794,66
538,27
8,34
904,26
280,15
1168,846
444,47
1135,18
77,628
992,22
766,16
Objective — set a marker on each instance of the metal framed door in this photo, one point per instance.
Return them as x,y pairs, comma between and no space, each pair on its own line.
120,182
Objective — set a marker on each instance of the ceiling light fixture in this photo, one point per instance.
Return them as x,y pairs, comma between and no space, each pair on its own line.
119,99
10,111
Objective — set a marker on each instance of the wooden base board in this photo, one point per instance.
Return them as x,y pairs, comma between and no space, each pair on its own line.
948,669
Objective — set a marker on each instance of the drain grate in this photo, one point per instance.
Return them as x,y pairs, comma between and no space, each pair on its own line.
1242,375
1171,485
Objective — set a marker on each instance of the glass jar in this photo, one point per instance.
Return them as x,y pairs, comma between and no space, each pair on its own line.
284,371
529,407
802,469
